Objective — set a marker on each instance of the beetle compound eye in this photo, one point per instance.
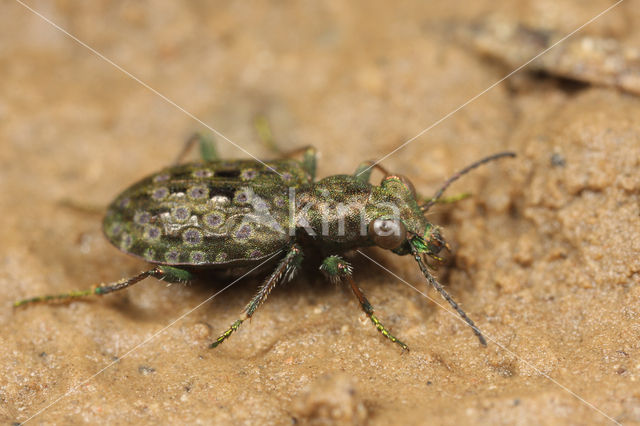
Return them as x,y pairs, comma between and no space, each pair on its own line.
387,233
408,184
405,181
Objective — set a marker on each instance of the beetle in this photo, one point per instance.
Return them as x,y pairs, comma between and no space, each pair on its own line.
217,214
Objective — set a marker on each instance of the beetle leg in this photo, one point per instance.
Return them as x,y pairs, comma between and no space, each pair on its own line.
263,128
284,272
363,172
309,158
160,272
337,269
207,146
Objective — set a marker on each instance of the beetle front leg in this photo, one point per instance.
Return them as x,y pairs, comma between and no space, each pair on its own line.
160,272
285,271
337,269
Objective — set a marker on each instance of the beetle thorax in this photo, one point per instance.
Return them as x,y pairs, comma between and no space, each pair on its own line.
332,211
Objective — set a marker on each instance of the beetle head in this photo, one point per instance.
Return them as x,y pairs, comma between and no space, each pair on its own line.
397,222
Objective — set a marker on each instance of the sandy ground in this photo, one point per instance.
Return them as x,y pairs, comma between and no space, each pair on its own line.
545,254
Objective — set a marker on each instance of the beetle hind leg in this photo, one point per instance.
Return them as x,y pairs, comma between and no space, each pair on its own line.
338,269
160,272
285,271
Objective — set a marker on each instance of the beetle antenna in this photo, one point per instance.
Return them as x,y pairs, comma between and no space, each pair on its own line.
448,182
446,296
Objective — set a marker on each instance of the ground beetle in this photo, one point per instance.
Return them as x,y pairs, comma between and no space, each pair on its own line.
220,214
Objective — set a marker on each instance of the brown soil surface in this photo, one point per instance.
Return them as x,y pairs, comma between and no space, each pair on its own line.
545,254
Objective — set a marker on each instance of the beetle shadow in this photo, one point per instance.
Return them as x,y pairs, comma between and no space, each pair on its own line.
309,285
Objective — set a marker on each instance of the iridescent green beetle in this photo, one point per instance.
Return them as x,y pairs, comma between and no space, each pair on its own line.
244,213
